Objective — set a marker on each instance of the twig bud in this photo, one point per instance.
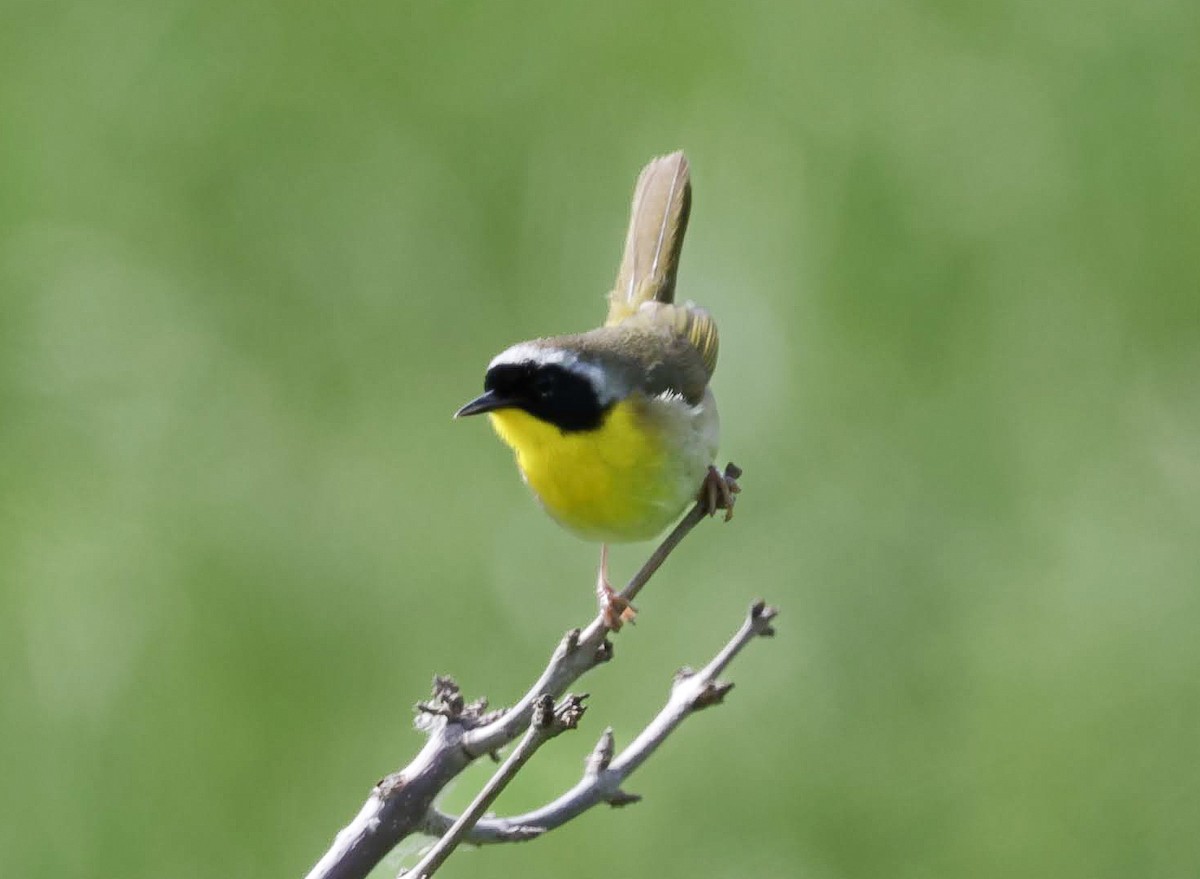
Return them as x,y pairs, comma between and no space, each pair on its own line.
619,798
602,754
712,694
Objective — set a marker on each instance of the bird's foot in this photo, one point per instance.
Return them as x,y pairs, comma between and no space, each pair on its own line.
615,609
719,490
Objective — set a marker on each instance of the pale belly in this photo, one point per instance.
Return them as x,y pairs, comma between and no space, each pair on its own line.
626,481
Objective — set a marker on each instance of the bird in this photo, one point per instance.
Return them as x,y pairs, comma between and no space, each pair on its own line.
615,429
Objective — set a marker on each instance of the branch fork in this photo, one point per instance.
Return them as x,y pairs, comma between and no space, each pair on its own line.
459,732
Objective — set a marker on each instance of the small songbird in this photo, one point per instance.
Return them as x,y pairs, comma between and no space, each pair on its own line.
615,429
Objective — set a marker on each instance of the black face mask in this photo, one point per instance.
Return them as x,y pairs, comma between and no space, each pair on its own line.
549,391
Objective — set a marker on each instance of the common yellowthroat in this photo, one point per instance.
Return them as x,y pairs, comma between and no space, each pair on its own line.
615,429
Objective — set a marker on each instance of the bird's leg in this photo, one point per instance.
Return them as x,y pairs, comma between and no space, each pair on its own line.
616,610
718,491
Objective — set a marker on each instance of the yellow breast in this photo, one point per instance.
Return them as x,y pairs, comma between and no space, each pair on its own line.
613,483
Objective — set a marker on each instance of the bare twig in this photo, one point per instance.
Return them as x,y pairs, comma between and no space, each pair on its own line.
582,650
578,653
461,732
548,721
602,780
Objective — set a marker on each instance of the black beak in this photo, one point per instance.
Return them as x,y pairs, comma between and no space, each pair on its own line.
488,401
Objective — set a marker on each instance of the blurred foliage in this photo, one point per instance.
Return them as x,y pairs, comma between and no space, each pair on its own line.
253,255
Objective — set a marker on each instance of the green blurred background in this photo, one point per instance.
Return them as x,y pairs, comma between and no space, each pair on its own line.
253,255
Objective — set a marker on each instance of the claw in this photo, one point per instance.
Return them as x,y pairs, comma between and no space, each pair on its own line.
718,491
616,610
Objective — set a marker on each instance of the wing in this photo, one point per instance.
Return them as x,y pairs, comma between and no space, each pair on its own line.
658,220
660,349
689,322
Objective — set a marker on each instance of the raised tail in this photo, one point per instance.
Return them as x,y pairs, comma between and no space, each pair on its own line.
657,222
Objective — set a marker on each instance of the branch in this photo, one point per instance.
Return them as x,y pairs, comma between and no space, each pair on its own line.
602,780
548,722
461,732
578,653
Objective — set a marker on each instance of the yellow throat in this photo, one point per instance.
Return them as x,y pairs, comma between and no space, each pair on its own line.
612,483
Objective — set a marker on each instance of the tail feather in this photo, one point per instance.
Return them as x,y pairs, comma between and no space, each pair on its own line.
658,220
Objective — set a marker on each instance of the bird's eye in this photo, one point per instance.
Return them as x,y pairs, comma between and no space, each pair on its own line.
543,386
